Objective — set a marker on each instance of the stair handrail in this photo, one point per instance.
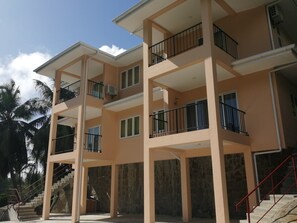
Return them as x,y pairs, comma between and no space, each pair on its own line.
269,176
58,172
37,181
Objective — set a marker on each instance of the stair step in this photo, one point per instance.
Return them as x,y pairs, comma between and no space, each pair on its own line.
37,200
29,218
266,205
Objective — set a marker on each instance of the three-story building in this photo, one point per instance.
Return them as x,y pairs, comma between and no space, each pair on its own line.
211,78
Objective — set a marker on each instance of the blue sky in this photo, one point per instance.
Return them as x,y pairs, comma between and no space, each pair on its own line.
32,31
53,25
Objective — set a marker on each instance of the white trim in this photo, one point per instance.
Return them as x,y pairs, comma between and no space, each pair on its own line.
126,127
127,78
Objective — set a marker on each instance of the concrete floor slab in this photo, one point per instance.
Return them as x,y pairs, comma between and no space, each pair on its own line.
105,218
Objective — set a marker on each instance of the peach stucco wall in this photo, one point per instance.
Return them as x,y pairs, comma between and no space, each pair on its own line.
130,149
133,89
254,97
249,29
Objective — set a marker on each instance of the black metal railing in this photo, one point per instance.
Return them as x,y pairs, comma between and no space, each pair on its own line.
68,92
225,42
232,118
94,89
67,143
176,44
195,117
64,144
188,39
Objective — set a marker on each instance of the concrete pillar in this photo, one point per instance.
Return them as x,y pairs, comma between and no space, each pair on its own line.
250,176
185,189
216,144
114,190
47,190
84,191
149,186
51,151
147,42
148,161
78,153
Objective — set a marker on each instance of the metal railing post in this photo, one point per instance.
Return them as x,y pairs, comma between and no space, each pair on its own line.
248,210
294,168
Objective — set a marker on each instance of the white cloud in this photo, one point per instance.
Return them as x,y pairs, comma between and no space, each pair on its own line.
20,69
113,50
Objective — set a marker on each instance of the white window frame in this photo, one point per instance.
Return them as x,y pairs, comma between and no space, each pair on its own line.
126,127
133,77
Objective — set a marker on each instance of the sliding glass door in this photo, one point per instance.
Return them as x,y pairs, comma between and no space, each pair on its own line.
229,115
197,115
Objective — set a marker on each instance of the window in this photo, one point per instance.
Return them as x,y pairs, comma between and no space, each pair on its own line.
93,139
294,104
130,77
130,127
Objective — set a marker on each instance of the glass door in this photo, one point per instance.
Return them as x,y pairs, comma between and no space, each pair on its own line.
229,112
197,115
93,139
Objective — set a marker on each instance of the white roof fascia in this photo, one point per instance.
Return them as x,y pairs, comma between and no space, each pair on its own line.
267,60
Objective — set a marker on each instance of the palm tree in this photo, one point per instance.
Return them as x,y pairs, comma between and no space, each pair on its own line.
15,129
41,137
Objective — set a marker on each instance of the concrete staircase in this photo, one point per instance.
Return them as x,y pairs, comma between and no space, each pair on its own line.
38,200
27,212
266,205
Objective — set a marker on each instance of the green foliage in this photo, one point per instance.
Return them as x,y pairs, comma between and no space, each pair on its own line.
41,138
16,130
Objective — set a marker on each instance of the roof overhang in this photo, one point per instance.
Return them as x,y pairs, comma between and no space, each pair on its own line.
267,60
165,14
80,49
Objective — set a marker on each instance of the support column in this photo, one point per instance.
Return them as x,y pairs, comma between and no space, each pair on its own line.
51,151
216,143
148,161
78,152
185,189
250,176
114,190
149,186
47,190
84,190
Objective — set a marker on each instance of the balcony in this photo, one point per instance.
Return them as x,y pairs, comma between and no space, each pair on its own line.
195,117
67,143
72,91
188,39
